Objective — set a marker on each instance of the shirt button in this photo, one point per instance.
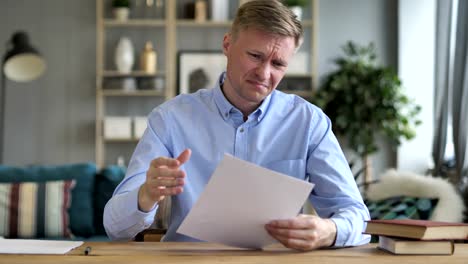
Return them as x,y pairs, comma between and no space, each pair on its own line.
241,130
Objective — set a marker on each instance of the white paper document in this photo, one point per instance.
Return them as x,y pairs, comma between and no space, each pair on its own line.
32,246
239,200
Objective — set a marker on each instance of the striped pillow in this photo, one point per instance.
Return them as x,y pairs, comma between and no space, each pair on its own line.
35,209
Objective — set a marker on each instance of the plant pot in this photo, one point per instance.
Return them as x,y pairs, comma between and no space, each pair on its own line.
297,10
121,13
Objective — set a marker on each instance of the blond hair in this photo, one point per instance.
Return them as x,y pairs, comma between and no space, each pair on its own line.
271,16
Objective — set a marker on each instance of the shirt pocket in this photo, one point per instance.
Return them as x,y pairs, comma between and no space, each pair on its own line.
295,168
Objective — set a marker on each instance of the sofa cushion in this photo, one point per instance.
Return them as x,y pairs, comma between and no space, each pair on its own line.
402,207
106,182
81,208
35,209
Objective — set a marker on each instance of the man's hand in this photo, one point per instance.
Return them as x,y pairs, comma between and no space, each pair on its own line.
164,177
304,232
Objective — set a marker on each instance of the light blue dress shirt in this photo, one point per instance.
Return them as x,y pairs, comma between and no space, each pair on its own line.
286,134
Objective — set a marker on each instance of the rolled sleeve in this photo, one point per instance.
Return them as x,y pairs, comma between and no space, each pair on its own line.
347,235
123,219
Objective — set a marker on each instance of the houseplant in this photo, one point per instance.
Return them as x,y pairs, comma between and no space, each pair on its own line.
363,100
121,9
296,6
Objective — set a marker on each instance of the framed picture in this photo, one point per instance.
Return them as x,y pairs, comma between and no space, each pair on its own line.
198,69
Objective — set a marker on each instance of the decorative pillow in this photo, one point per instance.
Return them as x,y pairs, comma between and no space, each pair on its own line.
106,182
81,209
35,209
402,207
450,206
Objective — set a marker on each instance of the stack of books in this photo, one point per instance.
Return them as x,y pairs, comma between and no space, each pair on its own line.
407,236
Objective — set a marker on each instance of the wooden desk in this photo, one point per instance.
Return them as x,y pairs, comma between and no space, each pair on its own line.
155,252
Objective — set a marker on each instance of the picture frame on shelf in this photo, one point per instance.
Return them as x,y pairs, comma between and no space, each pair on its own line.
198,69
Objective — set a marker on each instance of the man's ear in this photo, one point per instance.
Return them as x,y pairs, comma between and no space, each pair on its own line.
227,43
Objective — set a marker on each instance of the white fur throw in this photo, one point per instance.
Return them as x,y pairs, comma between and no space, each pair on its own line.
450,207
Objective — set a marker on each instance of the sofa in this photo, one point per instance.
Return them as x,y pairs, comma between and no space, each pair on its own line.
56,202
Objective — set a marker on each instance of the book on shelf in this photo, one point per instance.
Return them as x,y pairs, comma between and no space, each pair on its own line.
418,229
406,246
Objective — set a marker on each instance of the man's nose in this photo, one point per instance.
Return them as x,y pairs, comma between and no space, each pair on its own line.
263,70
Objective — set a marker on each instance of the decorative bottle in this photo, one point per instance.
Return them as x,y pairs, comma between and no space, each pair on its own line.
148,58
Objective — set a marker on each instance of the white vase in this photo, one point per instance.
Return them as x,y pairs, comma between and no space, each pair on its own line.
219,10
121,13
124,57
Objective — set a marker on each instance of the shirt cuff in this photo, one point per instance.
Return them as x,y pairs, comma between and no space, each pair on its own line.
348,233
146,218
341,232
129,204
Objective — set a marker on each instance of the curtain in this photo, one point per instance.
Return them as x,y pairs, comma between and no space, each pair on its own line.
441,93
460,91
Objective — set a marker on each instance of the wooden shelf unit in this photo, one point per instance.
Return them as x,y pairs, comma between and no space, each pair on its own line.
170,25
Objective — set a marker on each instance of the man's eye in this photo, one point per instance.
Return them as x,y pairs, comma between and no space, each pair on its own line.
255,56
278,65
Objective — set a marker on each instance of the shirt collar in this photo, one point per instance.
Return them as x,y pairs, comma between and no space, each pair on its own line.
225,107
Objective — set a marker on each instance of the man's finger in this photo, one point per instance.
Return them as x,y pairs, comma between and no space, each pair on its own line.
293,243
163,173
289,233
295,223
170,182
170,190
184,156
163,161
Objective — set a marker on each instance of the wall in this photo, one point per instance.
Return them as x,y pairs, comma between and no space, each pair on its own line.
362,21
51,120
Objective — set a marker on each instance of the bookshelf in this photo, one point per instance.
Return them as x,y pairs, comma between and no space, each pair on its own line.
170,32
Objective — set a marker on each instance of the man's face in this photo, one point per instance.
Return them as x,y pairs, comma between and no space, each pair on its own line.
256,63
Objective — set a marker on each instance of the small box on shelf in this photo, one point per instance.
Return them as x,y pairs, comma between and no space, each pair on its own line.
117,127
299,64
139,126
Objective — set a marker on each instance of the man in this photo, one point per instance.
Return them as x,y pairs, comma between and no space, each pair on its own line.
244,116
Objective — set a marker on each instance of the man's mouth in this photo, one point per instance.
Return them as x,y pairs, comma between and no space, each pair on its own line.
258,84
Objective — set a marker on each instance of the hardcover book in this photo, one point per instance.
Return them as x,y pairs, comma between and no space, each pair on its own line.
402,246
418,229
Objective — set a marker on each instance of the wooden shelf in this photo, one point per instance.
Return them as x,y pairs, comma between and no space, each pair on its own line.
131,74
115,92
121,140
208,23
297,75
135,23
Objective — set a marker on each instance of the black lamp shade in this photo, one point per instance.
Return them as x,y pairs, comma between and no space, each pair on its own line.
22,63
